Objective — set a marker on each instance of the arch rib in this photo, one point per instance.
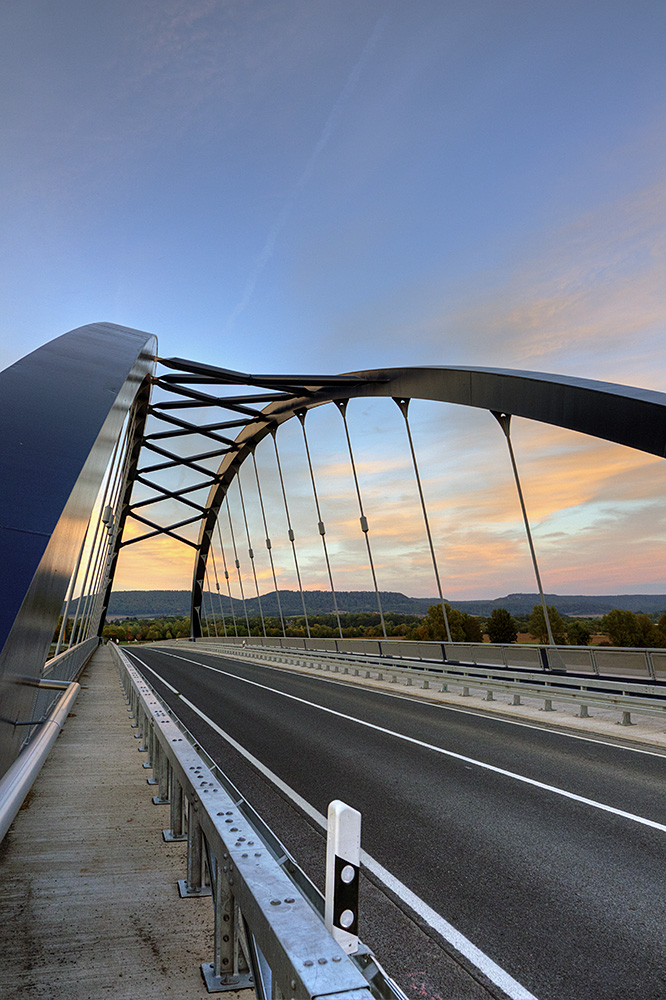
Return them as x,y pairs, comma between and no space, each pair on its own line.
622,414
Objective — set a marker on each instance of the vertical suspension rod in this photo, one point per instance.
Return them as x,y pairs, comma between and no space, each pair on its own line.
217,584
250,552
342,406
210,601
70,590
292,537
100,586
322,528
403,405
269,547
504,420
240,579
95,537
226,574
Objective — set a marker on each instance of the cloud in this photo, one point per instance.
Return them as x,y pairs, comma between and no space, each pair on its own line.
587,299
159,563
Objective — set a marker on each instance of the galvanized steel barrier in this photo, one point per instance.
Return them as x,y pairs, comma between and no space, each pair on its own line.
269,931
625,696
598,661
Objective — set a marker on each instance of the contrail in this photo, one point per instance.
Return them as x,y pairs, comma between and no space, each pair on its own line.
329,127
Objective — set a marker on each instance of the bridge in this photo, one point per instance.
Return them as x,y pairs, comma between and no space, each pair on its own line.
505,852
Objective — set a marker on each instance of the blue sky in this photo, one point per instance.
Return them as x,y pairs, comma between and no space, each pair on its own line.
351,183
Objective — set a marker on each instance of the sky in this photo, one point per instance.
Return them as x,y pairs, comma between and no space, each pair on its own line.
335,185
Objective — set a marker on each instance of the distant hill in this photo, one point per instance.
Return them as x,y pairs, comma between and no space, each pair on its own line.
163,603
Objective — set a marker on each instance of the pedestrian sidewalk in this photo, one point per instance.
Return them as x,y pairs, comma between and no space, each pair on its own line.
89,906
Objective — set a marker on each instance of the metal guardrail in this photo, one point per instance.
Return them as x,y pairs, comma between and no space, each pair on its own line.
626,696
269,931
56,693
19,778
597,661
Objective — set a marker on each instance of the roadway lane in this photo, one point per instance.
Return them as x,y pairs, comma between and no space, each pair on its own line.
567,897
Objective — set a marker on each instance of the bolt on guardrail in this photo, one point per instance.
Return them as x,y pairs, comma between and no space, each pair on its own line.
269,931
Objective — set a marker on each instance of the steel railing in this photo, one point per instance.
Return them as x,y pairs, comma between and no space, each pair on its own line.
56,693
625,696
597,661
269,931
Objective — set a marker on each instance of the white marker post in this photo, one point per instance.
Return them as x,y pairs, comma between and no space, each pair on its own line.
343,858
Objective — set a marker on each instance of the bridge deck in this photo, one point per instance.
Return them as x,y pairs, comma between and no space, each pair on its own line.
89,906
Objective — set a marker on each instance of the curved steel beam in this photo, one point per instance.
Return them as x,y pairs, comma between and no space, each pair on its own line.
623,414
62,409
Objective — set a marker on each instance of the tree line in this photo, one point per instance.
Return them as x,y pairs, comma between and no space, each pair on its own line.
620,627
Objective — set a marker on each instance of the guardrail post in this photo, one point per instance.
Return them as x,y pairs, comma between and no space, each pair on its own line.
176,817
547,705
153,752
192,885
142,720
151,749
163,770
626,720
138,723
224,972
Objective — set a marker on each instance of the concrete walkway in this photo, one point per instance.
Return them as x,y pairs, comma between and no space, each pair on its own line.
89,906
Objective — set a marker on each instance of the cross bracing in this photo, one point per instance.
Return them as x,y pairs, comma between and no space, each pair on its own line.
110,423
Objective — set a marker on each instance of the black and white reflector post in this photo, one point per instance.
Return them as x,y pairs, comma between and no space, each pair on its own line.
343,857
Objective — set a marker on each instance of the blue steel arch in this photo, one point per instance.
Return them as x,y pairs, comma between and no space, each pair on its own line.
62,409
625,415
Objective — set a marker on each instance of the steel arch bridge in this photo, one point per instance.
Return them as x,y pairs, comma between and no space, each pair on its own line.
74,418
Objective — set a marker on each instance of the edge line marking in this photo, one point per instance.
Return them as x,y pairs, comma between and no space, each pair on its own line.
494,972
431,746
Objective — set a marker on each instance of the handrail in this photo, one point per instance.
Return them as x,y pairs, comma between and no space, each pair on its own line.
58,675
18,779
598,661
66,665
258,906
625,696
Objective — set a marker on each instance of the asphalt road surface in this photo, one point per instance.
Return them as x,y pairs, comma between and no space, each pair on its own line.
500,859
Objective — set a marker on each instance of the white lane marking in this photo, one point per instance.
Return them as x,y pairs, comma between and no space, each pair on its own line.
431,746
495,973
489,716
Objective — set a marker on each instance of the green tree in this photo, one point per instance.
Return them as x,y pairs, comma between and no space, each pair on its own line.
433,627
472,628
625,628
579,633
537,625
502,626
464,627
